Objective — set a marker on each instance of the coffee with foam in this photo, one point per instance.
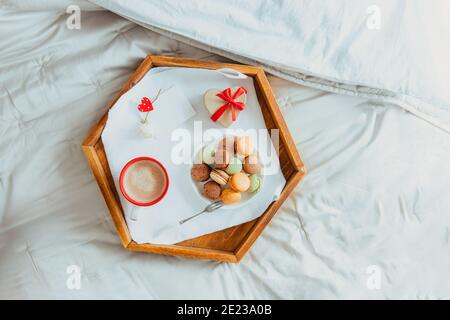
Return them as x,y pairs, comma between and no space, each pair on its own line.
144,181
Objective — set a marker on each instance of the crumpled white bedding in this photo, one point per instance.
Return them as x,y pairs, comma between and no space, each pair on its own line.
395,50
374,203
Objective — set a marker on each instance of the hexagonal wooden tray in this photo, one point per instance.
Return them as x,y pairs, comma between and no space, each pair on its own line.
230,244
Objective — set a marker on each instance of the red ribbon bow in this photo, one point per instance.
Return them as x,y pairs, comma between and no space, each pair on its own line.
145,105
231,103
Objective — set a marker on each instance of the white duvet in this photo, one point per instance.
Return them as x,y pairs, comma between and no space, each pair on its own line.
370,220
396,50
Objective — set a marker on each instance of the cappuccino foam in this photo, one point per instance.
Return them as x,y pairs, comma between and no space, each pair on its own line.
144,181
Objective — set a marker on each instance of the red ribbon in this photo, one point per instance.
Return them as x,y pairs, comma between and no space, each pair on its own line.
231,103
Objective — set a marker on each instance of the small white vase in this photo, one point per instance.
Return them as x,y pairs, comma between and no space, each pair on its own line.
146,130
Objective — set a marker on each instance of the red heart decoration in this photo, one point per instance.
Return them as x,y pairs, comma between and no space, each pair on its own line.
145,105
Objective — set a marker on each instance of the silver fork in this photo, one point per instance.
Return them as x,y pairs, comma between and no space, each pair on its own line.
209,208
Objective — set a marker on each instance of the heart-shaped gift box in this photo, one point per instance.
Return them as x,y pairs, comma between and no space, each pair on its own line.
225,106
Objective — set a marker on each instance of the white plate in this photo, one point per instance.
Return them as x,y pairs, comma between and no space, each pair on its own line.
246,197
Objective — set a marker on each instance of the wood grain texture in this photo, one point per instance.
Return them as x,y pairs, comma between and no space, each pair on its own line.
162,61
264,220
227,239
227,245
108,192
265,89
185,251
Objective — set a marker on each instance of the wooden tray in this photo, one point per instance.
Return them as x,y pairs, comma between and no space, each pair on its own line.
230,244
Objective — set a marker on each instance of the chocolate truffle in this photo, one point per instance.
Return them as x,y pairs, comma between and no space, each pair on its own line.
200,172
251,164
211,190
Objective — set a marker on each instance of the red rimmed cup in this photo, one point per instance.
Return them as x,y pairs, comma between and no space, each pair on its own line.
144,181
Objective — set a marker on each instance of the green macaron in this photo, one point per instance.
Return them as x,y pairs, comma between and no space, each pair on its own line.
208,154
255,183
235,166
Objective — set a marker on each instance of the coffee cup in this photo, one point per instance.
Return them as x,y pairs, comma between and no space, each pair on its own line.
144,181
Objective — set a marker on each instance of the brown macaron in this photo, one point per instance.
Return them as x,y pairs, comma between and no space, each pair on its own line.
228,143
212,190
219,176
200,172
252,164
221,159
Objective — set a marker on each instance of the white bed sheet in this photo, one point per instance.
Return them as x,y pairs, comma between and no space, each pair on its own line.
375,193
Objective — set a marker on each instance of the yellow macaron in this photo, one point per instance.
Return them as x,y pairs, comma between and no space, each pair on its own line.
239,182
244,146
229,196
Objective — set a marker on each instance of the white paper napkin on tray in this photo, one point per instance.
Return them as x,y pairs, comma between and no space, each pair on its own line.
182,104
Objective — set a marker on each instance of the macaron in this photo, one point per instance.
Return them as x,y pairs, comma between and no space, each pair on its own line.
219,176
251,164
235,166
244,146
212,190
227,143
239,182
230,196
221,159
208,154
200,172
255,183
